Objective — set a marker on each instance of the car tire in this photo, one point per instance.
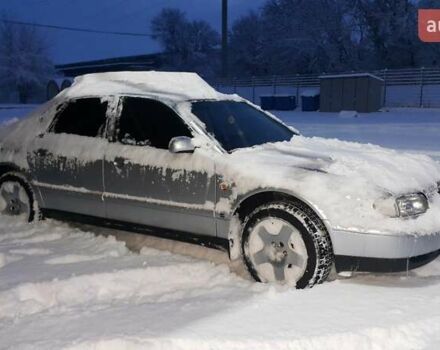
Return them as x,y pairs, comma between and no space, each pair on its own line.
286,243
17,198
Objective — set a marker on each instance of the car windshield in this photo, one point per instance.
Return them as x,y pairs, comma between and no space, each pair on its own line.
239,125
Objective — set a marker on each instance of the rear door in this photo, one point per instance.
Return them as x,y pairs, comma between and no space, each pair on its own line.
147,184
67,160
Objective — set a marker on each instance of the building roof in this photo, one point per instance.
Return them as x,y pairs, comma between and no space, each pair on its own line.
115,64
170,85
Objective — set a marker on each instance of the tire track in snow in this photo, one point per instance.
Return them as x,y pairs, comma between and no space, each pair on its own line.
148,283
154,279
158,300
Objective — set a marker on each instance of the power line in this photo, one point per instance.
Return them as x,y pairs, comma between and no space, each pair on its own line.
75,29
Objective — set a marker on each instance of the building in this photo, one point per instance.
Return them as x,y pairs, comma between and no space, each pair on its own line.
66,72
361,92
116,64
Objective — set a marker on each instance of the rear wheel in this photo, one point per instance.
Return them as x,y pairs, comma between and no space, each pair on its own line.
16,198
287,243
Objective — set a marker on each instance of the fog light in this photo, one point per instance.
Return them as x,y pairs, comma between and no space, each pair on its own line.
412,204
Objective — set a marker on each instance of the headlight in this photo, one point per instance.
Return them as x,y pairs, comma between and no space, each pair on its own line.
412,204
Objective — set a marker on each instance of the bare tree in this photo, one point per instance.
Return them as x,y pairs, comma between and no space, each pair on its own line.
428,4
24,62
429,54
188,45
292,36
247,46
391,29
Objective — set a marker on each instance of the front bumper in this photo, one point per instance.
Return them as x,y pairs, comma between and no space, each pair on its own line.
361,264
383,252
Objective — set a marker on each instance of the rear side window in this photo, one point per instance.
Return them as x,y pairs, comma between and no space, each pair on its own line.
84,117
145,122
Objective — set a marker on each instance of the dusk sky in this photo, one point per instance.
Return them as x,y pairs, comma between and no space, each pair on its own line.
112,15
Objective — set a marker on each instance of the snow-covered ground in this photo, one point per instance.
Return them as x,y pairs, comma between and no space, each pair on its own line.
64,286
415,130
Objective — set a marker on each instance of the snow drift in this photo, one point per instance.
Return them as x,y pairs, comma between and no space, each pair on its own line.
118,299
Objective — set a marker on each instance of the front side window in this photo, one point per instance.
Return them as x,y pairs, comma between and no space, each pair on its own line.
145,122
83,117
239,125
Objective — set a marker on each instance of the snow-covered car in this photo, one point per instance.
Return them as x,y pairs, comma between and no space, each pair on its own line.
166,154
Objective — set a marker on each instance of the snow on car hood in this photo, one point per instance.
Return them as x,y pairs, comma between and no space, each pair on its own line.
341,179
393,171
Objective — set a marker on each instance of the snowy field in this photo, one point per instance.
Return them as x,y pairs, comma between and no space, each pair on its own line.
62,287
68,287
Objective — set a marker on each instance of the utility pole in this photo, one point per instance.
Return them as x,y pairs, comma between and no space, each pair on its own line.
225,49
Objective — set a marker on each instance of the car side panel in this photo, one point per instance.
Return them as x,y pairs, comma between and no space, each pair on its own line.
148,190
67,170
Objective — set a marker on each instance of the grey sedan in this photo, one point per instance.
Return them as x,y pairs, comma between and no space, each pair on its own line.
165,154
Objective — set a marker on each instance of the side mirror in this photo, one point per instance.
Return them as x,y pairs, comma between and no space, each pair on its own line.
181,144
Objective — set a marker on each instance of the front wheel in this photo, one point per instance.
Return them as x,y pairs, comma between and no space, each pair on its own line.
16,198
287,243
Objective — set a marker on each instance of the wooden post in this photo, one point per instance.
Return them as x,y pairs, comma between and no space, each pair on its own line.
297,90
253,89
385,87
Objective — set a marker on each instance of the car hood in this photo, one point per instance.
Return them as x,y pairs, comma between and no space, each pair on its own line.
342,180
390,170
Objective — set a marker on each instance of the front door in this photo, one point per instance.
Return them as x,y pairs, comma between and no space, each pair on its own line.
67,160
145,183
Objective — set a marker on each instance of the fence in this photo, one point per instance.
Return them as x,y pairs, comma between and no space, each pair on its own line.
414,87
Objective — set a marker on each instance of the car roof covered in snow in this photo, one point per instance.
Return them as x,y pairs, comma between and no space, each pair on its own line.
170,85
